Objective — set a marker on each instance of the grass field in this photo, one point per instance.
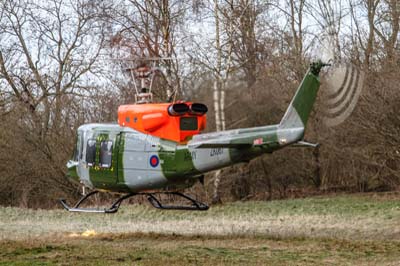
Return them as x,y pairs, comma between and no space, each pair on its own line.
337,230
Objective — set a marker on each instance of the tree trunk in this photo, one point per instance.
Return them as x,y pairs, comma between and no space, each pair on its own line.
219,96
216,97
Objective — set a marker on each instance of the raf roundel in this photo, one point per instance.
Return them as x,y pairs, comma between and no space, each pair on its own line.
154,161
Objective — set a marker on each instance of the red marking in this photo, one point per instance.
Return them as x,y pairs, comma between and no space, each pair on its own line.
154,161
258,141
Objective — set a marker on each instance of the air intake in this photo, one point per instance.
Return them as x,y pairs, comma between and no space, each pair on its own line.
198,109
178,109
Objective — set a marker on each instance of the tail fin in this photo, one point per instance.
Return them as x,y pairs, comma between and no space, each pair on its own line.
296,116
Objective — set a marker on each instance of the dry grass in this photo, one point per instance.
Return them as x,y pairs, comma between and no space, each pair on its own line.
345,217
361,230
155,249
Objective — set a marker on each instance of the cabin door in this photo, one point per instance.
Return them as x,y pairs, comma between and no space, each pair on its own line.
102,158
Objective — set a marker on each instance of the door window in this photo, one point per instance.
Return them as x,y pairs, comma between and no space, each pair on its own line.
91,152
106,153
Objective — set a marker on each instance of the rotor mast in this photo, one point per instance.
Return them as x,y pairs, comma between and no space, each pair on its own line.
142,72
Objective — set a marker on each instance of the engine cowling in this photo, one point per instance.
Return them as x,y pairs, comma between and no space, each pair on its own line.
177,121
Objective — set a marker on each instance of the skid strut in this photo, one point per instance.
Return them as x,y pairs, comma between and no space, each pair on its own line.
156,203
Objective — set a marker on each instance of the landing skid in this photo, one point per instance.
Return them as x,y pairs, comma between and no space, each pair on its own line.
114,207
195,205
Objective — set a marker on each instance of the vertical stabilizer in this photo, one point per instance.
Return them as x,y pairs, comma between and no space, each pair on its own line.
298,112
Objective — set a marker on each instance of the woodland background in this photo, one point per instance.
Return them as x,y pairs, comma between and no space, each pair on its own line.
59,68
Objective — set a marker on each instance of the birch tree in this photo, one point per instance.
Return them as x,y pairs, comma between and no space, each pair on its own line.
222,72
234,49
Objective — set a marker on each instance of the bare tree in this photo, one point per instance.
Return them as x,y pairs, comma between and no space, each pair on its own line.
387,27
146,29
370,8
48,59
222,72
329,16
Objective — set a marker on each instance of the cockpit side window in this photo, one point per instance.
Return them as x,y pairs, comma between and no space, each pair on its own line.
80,145
91,152
75,155
106,153
78,148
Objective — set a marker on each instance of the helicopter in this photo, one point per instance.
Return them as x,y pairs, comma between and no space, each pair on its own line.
157,148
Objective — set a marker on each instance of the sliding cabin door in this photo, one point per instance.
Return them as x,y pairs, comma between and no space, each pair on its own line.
102,159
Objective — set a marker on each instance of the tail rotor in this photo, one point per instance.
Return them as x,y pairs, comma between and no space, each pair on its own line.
343,84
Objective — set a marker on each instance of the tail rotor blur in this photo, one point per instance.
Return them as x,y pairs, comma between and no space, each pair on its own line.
343,84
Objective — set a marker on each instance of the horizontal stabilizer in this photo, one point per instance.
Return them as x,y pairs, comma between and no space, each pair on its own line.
234,143
220,145
305,144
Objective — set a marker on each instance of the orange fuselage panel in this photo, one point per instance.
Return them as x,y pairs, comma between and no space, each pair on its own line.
154,119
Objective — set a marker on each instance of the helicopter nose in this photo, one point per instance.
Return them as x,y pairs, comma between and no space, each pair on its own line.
72,170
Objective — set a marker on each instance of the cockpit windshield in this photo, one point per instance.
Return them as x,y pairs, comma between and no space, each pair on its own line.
78,148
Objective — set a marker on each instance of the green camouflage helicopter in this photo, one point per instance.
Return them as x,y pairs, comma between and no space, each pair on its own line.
157,148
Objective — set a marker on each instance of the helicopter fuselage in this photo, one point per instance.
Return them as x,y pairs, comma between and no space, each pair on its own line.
119,159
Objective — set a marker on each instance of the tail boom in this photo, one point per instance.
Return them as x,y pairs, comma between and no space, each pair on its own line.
244,144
